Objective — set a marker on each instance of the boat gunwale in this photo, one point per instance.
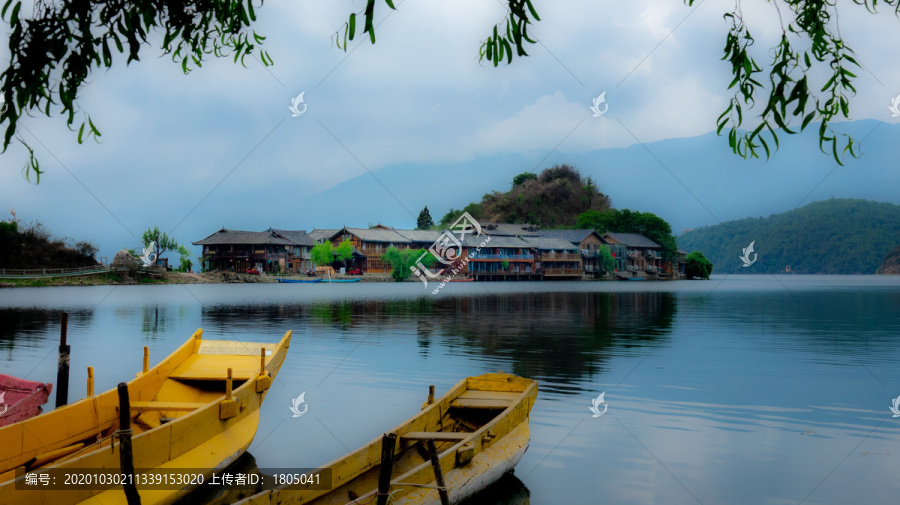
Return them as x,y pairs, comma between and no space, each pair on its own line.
530,391
170,363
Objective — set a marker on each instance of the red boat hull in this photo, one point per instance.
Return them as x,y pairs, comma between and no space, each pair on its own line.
21,398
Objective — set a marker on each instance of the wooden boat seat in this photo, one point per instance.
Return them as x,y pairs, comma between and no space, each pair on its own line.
481,403
438,436
165,406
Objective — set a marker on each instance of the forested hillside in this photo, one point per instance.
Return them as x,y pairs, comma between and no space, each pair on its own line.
836,236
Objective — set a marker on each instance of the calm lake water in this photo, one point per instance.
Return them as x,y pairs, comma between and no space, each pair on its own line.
742,390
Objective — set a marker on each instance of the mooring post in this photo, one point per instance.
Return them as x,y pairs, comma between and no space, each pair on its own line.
90,381
62,366
126,457
430,394
438,473
388,441
146,359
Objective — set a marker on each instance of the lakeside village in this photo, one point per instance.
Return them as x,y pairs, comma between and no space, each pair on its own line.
501,252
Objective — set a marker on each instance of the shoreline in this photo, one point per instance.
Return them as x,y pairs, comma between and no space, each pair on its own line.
146,278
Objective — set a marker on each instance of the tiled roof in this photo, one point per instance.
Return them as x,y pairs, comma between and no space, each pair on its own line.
420,235
318,234
378,235
632,239
573,236
510,229
297,237
549,244
497,241
225,236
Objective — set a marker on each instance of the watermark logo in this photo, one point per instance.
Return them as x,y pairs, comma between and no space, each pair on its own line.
895,408
295,103
596,403
2,404
746,257
600,100
295,405
149,256
448,249
895,106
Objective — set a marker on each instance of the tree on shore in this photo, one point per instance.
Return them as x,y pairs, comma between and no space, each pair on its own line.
697,266
322,254
402,261
344,251
424,221
163,241
607,262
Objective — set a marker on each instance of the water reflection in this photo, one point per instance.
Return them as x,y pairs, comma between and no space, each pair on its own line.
566,336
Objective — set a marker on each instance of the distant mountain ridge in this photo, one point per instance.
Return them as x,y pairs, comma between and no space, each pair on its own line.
835,236
689,182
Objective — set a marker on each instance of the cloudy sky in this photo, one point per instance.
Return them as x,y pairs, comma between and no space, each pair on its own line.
192,153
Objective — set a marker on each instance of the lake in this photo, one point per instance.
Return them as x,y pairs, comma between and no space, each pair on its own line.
742,390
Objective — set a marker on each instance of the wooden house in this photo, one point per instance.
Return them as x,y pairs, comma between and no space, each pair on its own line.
556,258
503,258
588,242
269,251
641,253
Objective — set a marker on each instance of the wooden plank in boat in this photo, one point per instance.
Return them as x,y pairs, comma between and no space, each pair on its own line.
215,367
227,347
440,436
481,403
166,406
490,394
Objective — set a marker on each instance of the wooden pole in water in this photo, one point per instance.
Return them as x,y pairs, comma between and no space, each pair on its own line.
146,359
430,394
388,441
62,366
438,473
126,457
90,381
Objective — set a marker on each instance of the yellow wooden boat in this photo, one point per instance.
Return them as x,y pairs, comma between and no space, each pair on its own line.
479,431
186,414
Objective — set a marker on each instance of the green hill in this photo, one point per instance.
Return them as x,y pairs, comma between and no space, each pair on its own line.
552,199
836,236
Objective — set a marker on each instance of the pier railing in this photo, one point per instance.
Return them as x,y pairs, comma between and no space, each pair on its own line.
25,273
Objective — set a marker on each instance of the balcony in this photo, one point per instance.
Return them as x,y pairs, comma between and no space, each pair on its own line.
561,257
508,257
562,271
522,271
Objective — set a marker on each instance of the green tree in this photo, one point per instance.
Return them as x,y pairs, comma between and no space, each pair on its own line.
322,254
504,265
185,263
589,189
424,222
697,266
163,242
402,261
524,176
607,262
344,251
600,221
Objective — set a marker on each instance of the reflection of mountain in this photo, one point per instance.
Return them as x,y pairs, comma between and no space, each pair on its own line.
824,322
561,335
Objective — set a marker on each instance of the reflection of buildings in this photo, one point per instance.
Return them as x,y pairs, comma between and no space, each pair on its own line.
560,335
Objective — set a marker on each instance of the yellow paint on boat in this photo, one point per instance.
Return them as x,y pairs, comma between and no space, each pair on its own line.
480,429
177,418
